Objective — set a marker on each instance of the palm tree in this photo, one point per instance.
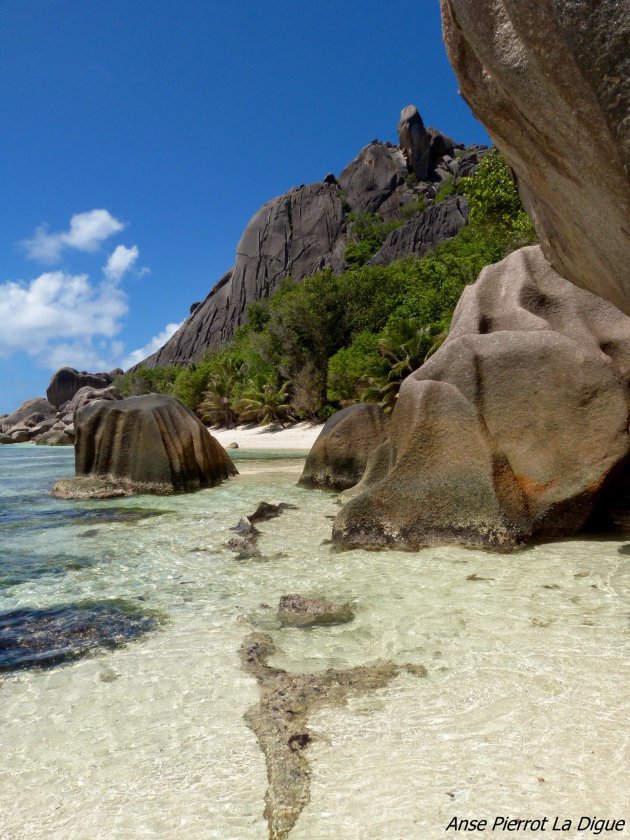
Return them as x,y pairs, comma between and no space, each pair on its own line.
264,402
217,407
405,345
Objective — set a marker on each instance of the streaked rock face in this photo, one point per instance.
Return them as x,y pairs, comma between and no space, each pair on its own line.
294,234
152,443
305,230
550,80
513,429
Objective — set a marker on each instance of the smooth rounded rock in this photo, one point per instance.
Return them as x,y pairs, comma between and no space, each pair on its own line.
150,441
550,80
338,457
513,430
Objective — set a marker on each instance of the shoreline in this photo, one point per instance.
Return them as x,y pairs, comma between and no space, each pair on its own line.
300,436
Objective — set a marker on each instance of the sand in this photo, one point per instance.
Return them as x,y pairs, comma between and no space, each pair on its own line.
298,437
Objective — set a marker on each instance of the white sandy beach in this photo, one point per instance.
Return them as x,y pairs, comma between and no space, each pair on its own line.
299,436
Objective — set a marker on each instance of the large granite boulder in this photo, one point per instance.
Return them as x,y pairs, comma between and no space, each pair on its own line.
65,383
513,429
338,457
149,444
306,230
550,80
421,147
373,176
294,234
26,414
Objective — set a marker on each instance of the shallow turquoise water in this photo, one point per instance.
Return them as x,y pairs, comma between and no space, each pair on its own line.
524,711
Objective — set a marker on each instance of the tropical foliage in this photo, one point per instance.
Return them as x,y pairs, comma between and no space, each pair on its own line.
332,340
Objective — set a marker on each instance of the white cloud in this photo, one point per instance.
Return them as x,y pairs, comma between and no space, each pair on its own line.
57,314
120,261
151,346
78,354
87,232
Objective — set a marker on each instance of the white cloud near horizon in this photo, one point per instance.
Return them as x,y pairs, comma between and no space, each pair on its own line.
57,310
151,346
87,231
120,261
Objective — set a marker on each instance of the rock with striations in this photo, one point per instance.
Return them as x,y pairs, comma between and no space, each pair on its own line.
415,142
305,230
550,80
148,444
514,429
423,232
338,457
65,383
295,234
26,414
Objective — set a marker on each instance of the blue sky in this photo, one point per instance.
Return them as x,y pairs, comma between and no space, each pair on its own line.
139,137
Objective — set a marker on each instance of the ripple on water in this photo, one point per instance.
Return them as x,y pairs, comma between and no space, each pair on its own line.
526,658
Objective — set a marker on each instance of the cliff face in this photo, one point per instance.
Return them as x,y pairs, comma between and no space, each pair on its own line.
305,229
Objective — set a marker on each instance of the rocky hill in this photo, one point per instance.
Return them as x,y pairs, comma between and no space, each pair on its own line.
306,229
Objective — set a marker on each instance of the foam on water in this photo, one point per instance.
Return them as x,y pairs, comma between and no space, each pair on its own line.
524,711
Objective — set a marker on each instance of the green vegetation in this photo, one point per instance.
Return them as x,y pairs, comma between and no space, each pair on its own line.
366,234
333,340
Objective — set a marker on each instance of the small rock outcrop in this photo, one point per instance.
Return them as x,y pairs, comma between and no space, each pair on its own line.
550,80
513,429
245,542
150,444
38,421
65,383
297,611
338,457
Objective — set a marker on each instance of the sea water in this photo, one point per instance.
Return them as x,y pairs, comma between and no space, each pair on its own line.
524,711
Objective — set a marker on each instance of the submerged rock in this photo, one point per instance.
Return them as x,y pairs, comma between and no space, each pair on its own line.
148,444
46,637
296,611
550,80
338,457
245,543
268,510
280,722
513,429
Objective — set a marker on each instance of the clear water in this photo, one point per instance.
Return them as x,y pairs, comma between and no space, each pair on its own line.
525,710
